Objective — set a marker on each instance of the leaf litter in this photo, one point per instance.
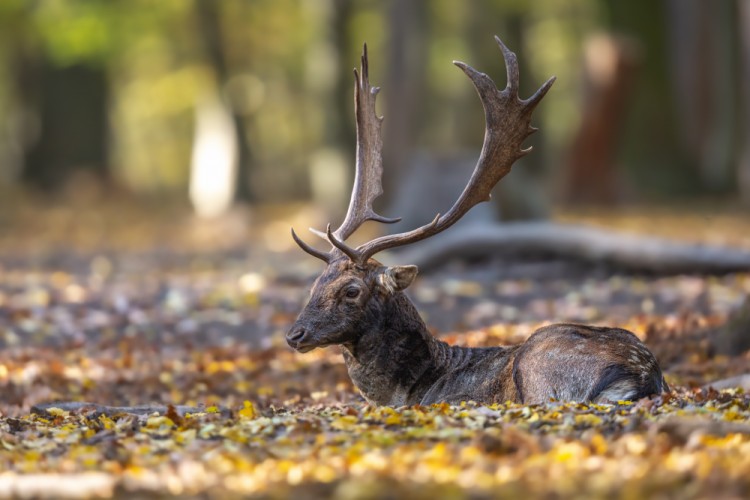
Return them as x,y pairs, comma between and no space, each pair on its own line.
197,335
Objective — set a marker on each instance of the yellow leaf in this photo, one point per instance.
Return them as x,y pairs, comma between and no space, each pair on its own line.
393,420
599,444
344,423
568,452
107,422
734,414
588,419
248,411
57,412
157,422
185,437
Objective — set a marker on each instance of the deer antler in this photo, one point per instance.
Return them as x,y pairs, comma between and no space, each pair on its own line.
508,124
369,167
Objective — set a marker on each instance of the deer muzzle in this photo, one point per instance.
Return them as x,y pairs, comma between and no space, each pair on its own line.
300,339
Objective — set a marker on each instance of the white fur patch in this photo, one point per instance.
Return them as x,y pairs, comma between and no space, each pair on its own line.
386,281
622,390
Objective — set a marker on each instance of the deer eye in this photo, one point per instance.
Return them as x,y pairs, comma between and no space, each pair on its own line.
352,292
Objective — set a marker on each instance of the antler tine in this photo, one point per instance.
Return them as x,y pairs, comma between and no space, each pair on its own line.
369,163
325,257
347,250
511,66
539,94
368,173
507,119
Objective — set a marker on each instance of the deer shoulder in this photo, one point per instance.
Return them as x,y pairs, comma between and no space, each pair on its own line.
360,304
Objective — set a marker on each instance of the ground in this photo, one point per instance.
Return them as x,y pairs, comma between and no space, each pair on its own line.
120,307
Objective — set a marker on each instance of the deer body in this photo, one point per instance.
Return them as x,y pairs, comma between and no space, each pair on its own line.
394,360
391,357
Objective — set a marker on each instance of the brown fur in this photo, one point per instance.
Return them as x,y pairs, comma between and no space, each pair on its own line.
393,359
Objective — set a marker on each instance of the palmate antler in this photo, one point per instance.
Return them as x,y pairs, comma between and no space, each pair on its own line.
508,124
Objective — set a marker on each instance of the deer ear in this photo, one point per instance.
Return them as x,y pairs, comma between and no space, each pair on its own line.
397,278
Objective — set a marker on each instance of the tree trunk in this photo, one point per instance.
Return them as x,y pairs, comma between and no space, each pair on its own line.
405,84
610,65
521,196
649,147
208,13
339,131
331,167
743,169
701,50
72,107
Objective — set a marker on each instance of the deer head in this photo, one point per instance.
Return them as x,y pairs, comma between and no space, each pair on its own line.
346,301
356,294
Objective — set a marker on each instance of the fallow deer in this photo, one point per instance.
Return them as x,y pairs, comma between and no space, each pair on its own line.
359,303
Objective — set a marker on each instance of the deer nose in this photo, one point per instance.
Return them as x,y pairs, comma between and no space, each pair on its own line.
296,334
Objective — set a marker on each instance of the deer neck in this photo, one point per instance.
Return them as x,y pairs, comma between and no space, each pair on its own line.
397,360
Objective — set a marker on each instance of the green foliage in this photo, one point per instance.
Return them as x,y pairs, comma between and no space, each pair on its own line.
75,32
285,64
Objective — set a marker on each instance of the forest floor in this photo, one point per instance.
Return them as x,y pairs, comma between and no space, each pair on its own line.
149,306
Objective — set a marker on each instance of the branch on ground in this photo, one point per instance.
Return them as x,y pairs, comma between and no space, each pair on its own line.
629,251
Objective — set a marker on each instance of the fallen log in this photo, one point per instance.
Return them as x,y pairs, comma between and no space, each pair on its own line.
557,240
110,411
736,382
683,429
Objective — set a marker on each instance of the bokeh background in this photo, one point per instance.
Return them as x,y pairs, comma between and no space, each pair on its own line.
207,104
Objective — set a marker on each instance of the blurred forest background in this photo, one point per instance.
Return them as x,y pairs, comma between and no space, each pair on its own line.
251,101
